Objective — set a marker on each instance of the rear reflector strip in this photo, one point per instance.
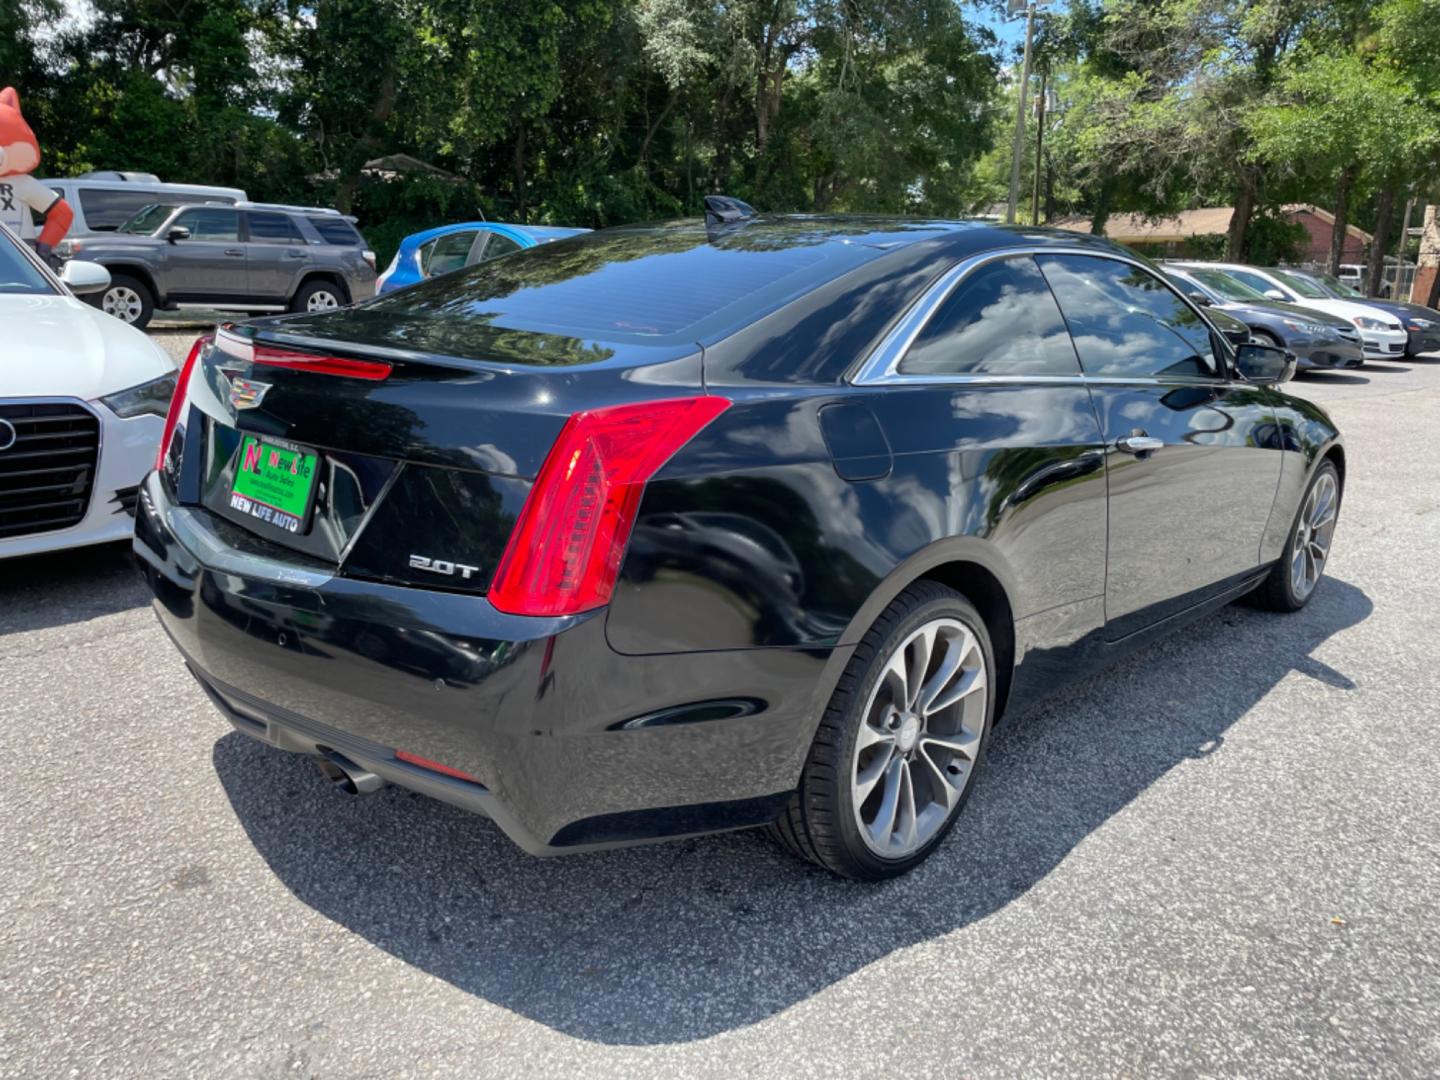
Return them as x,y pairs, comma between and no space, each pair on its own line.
433,766
243,348
374,370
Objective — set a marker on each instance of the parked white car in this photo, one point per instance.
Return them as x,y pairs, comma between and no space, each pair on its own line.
1381,333
83,400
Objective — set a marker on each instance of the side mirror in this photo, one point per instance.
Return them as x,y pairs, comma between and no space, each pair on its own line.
1275,294
1200,298
83,278
179,232
1265,365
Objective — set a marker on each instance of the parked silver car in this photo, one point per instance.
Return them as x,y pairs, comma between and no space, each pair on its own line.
250,257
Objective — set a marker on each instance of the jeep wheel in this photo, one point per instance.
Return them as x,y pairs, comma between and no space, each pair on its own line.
318,296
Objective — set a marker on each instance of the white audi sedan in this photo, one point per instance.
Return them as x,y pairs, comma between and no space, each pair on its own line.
83,400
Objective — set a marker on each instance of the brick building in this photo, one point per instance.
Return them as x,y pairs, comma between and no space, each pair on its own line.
1176,236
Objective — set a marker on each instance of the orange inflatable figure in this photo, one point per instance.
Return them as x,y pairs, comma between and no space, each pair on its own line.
19,191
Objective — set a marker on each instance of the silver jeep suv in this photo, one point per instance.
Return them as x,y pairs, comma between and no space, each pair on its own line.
250,257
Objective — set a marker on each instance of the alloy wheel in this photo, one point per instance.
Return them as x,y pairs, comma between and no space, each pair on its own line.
919,738
123,303
322,300
1313,533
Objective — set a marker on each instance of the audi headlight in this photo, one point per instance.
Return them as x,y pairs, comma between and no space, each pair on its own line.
148,399
1366,323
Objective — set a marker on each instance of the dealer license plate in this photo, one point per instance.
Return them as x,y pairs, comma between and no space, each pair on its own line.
274,484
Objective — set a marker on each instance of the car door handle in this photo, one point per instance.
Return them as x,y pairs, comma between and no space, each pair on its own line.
293,254
1139,443
235,251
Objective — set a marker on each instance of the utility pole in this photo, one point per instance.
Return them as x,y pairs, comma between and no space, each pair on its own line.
1029,7
1039,145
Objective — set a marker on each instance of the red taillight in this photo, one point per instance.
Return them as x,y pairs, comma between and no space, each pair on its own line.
434,766
177,402
316,364
565,552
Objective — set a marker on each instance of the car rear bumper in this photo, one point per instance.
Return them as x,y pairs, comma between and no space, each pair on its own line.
571,746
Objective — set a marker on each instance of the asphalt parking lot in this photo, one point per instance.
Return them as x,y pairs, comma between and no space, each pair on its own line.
1220,858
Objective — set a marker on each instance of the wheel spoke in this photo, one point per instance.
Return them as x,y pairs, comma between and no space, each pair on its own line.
870,735
866,780
895,674
963,743
940,782
906,817
955,651
969,682
920,650
884,824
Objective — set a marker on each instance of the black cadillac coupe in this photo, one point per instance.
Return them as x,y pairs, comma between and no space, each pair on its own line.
752,521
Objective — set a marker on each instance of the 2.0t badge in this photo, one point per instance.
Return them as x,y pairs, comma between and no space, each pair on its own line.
442,566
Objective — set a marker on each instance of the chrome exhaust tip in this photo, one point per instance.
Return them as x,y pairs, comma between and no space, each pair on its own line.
349,777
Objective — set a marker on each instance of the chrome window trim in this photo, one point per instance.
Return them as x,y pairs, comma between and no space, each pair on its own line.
881,366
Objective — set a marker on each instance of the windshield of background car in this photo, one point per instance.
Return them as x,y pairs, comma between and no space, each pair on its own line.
647,286
1308,289
18,275
148,220
1217,281
1339,288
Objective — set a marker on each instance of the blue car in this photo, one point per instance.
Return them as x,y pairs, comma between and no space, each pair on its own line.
449,247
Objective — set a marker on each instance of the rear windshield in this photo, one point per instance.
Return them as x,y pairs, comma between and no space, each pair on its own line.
1221,283
336,231
650,285
1304,286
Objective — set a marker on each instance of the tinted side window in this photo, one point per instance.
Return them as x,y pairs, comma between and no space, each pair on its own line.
1000,319
1125,321
106,210
498,245
335,230
273,229
448,252
207,224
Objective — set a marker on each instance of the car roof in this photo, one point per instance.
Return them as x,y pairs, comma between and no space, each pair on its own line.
148,186
687,282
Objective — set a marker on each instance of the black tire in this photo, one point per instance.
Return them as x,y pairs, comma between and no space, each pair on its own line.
819,824
119,300
1277,592
313,288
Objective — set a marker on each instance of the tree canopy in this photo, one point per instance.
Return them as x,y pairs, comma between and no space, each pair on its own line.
598,112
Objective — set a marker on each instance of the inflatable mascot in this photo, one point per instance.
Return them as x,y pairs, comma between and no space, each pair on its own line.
19,191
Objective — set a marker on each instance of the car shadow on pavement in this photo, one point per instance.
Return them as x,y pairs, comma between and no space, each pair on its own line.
677,942
1327,376
41,591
